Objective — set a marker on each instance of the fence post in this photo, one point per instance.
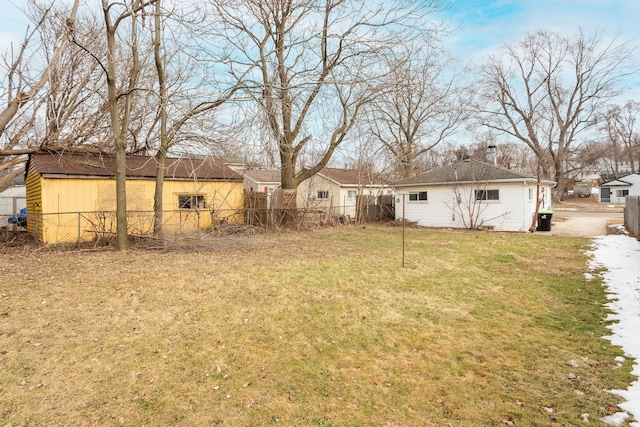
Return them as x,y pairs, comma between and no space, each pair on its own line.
632,214
79,220
636,210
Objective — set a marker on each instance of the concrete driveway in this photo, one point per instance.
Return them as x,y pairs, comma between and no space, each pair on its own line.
581,224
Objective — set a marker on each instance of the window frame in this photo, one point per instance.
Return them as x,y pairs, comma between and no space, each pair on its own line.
199,200
621,193
323,194
350,193
418,196
487,195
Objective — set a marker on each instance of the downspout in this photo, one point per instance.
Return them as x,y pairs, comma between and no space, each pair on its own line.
526,205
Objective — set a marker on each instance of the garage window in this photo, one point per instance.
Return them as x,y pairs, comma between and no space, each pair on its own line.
487,194
191,201
418,196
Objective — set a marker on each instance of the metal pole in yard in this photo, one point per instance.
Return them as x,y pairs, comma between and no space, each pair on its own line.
79,215
403,221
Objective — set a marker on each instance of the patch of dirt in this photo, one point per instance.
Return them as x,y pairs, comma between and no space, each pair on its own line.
9,239
588,204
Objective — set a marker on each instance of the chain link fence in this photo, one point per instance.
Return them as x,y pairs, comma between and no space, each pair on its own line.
82,227
99,227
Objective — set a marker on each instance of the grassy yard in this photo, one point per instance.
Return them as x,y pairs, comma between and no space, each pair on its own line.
312,329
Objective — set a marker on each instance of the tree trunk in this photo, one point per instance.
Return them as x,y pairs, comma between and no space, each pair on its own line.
534,220
122,242
161,157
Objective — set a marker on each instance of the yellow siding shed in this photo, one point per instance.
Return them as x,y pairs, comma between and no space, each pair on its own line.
72,197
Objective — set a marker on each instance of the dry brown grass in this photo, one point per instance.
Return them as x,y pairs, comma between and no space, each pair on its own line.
318,328
589,204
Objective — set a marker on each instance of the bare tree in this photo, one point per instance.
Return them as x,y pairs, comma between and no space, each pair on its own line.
174,109
546,91
121,101
470,193
487,147
22,88
622,130
316,62
418,108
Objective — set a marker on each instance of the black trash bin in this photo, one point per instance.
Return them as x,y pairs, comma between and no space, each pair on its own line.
544,221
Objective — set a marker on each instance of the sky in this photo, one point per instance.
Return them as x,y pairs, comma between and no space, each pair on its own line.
620,256
482,25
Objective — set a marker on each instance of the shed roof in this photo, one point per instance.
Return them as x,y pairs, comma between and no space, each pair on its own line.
616,183
466,172
351,177
104,165
623,181
262,176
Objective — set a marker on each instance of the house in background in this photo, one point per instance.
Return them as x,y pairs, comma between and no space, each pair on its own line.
260,181
72,196
616,190
471,194
12,199
340,192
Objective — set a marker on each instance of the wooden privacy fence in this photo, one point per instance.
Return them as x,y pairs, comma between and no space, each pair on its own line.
632,214
282,208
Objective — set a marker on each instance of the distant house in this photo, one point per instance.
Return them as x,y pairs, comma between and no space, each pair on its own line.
616,190
260,181
71,197
471,194
12,199
340,191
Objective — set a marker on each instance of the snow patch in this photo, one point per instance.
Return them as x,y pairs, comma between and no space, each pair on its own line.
620,256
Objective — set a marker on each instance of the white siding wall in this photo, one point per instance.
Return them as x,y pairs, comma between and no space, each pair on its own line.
348,205
339,202
634,189
307,195
11,201
512,212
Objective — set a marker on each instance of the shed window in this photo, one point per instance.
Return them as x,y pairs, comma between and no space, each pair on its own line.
323,194
418,196
191,201
622,193
487,194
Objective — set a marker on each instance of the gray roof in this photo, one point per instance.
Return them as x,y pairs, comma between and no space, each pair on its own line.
619,182
468,172
616,183
262,176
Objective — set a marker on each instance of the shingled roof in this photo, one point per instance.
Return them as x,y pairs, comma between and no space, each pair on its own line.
467,172
104,165
263,176
346,177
